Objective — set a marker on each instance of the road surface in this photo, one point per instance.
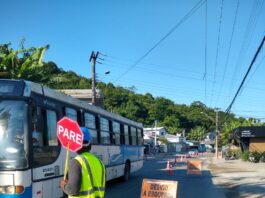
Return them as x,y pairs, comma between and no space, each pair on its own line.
189,186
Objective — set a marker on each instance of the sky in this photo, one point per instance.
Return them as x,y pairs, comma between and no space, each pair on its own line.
182,50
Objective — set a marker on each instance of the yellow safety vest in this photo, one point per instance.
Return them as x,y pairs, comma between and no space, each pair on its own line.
93,177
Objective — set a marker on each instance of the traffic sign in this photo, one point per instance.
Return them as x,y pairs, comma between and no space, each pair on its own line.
159,188
69,134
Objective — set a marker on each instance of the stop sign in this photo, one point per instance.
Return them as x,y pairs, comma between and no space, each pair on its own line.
68,132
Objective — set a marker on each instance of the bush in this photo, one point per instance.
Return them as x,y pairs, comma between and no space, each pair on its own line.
245,156
233,153
254,156
262,157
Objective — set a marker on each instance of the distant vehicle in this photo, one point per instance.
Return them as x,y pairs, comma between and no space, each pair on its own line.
193,152
209,148
147,149
202,148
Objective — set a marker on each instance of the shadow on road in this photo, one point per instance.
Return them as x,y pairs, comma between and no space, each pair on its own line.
189,186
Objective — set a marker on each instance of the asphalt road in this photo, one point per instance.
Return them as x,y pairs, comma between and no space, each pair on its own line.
189,186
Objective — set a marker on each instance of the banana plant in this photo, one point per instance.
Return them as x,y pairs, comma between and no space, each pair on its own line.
21,63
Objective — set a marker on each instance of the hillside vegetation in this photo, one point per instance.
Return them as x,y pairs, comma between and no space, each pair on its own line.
28,64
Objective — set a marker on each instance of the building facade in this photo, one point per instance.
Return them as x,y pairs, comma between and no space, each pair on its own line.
251,138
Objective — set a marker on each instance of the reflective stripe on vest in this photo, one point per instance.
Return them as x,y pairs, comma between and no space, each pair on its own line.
88,187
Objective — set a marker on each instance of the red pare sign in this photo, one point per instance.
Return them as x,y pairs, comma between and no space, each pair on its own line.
68,132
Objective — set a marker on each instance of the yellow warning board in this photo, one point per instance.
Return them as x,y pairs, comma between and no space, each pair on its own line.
159,188
194,167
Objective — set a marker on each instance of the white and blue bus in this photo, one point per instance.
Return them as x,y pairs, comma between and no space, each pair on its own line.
31,157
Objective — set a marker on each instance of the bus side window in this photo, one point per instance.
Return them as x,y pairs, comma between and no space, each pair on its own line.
133,136
47,152
117,130
104,131
37,133
126,135
122,139
51,128
139,137
112,134
71,113
90,123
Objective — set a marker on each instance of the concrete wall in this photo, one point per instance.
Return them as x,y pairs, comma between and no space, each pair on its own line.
257,144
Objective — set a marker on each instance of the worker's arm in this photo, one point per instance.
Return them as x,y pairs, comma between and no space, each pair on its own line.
73,184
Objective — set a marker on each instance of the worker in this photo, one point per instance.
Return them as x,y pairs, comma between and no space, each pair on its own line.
86,176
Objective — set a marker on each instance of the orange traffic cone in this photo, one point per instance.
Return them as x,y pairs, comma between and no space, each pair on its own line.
175,162
170,171
168,165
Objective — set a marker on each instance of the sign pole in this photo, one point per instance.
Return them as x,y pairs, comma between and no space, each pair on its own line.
66,162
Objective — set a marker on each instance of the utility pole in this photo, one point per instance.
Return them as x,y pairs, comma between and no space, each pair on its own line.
93,58
155,133
216,129
216,133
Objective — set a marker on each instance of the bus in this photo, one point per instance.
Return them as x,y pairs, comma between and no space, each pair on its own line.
31,158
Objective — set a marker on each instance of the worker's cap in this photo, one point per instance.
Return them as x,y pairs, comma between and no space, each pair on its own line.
87,136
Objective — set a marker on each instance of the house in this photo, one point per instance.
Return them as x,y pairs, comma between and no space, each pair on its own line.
151,133
176,143
251,138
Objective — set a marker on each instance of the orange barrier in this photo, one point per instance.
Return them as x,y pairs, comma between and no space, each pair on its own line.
194,167
159,188
169,168
180,158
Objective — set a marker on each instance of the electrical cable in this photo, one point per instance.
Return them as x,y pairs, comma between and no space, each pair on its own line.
252,62
190,13
228,54
217,49
205,57
248,35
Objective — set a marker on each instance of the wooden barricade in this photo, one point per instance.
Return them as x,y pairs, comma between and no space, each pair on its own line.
194,167
180,158
159,188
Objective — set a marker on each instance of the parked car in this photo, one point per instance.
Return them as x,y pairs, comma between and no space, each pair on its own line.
202,148
210,150
193,152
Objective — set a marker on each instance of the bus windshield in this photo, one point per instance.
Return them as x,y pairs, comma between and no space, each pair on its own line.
13,135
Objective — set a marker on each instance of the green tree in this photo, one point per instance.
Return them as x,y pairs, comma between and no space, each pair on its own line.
22,63
198,133
171,123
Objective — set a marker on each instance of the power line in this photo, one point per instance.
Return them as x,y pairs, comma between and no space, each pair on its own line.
190,13
262,59
205,56
252,62
248,35
126,63
228,54
217,49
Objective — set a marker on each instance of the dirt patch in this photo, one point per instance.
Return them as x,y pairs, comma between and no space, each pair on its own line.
237,178
223,168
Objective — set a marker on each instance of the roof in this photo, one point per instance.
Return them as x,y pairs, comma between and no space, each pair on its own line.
154,129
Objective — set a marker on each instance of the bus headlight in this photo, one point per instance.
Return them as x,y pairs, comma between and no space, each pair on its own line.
11,189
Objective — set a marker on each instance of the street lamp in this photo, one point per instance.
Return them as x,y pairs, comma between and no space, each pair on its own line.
216,128
105,74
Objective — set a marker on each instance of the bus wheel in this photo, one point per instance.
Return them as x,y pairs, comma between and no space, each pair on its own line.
127,173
